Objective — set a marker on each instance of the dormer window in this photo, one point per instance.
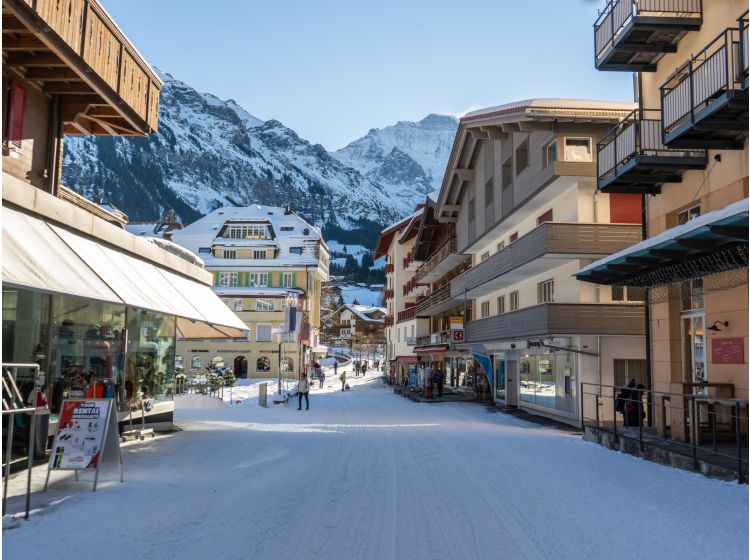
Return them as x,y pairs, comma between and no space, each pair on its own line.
295,250
287,228
247,231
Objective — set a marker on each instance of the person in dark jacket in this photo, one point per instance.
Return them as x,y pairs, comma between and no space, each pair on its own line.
439,379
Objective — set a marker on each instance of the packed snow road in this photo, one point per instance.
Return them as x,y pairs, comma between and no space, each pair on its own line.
365,474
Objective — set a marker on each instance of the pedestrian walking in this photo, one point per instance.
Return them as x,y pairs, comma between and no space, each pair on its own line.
335,366
318,371
303,390
439,379
342,377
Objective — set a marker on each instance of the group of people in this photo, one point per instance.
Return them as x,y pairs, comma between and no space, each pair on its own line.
629,402
303,387
433,379
360,367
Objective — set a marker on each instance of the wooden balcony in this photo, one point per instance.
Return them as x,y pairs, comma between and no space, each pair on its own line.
559,319
543,248
408,313
74,50
632,35
437,302
632,158
442,260
705,103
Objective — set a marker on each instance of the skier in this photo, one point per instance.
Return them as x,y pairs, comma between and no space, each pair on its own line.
303,390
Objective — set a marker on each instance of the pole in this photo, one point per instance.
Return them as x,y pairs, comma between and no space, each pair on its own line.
278,388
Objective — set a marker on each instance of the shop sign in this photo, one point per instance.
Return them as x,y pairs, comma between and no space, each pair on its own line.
458,335
87,436
457,323
727,351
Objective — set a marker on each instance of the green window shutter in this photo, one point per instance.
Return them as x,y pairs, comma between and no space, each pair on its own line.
216,278
294,280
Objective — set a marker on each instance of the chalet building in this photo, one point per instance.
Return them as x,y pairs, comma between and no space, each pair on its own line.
366,320
97,308
517,216
684,149
265,261
395,244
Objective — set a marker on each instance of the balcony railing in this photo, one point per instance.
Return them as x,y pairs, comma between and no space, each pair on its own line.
388,294
559,319
441,337
408,313
709,89
631,157
436,300
445,252
389,268
85,38
633,34
583,240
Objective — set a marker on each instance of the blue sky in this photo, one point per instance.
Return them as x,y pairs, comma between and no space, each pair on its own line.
333,69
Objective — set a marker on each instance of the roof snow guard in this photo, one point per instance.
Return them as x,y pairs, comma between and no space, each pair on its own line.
709,244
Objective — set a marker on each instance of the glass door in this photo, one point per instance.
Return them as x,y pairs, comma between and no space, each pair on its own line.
694,349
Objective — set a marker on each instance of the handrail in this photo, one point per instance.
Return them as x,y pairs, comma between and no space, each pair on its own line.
11,397
717,67
689,414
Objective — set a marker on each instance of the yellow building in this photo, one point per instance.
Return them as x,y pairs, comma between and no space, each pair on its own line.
264,260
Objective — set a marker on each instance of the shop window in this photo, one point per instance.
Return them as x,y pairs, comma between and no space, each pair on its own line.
549,153
545,291
501,305
263,364
228,279
578,149
514,300
546,217
16,114
485,309
264,304
263,333
149,368
522,157
547,379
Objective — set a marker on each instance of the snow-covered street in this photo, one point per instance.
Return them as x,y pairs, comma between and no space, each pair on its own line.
366,474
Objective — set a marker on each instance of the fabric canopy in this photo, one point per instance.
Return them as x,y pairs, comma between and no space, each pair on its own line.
479,353
49,258
194,330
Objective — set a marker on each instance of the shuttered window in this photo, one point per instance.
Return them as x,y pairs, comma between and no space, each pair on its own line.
16,112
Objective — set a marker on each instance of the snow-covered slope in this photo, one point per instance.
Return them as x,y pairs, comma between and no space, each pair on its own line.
208,153
407,158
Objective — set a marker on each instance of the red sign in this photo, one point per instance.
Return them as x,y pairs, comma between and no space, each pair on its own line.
458,335
727,351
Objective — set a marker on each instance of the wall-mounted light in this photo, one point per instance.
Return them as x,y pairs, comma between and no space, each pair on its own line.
715,328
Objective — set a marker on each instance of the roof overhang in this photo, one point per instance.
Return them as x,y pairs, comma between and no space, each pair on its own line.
709,244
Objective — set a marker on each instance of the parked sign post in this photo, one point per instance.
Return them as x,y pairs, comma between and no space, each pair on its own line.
86,437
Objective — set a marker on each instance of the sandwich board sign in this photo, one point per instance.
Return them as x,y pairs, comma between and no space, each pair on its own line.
86,437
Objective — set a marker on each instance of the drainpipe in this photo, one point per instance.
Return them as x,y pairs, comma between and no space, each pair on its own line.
647,318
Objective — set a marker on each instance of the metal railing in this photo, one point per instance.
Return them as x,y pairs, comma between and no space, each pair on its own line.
446,248
638,134
702,425
440,337
617,13
744,54
435,298
408,313
13,404
715,70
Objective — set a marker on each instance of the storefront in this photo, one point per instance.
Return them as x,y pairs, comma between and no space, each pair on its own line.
101,322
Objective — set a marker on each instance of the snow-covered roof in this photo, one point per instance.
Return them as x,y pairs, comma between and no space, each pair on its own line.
363,311
289,230
549,105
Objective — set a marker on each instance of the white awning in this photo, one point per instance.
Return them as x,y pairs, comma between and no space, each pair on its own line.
49,258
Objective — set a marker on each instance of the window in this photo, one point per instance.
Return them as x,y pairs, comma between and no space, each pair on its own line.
514,300
625,370
507,173
546,217
513,237
522,157
228,279
485,309
204,250
578,149
263,364
689,214
257,279
628,293
195,363
501,246
501,305
472,210
549,153
235,304
287,365
295,250
287,228
229,254
259,253
287,280
263,333
247,231
16,113
264,304
545,291
485,256
489,193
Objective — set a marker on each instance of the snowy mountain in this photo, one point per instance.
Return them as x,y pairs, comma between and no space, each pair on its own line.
209,152
407,158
